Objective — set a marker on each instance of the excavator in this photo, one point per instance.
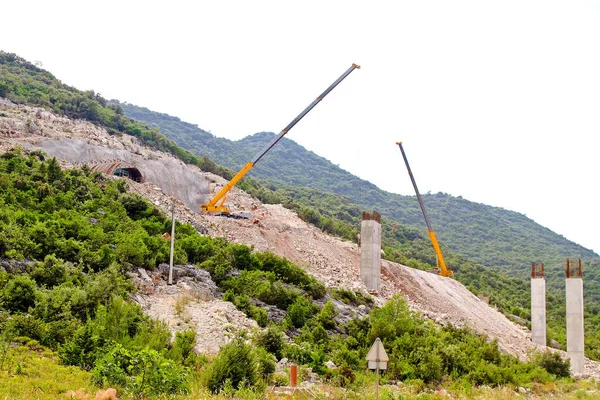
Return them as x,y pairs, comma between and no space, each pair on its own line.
215,206
441,264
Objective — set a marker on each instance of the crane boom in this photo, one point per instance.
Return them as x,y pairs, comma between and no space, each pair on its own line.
215,205
436,247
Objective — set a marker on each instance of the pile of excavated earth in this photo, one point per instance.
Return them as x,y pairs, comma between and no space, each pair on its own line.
193,301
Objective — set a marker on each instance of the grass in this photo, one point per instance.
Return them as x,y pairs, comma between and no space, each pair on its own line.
32,371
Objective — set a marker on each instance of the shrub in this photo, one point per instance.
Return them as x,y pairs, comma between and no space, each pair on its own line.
430,368
229,295
218,266
553,363
275,293
317,362
26,325
352,297
392,320
198,248
260,316
345,376
326,315
266,364
270,339
135,205
242,257
299,312
243,303
118,321
319,334
144,372
344,357
51,272
344,295
19,293
280,379
182,351
291,273
299,354
81,349
236,363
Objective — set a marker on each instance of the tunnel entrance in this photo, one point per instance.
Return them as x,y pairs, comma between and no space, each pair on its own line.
132,173
116,167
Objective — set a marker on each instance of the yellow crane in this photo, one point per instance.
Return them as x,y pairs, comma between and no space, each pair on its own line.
215,205
444,271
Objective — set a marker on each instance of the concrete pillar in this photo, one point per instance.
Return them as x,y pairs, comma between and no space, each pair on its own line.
538,308
370,250
575,332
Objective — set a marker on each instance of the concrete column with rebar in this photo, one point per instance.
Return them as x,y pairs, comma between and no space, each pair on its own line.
538,304
370,250
575,330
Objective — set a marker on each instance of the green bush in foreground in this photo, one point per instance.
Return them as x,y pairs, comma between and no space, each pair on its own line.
144,373
235,366
553,363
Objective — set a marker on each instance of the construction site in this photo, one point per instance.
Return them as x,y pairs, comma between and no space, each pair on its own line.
160,177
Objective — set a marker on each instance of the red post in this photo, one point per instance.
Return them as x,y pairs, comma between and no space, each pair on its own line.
293,375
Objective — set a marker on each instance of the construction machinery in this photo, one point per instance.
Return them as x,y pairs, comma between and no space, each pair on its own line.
441,264
215,206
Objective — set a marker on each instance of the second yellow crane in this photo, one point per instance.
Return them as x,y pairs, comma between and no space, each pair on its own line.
444,271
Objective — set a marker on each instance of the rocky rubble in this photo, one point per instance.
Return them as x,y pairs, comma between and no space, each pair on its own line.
13,266
191,303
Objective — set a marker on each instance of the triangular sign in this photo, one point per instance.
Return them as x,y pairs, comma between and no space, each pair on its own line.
377,352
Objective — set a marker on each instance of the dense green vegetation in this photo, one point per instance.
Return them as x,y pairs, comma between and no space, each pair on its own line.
83,232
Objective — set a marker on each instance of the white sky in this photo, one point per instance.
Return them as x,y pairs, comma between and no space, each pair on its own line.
495,101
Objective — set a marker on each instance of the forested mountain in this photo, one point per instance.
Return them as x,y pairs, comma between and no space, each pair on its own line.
492,236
